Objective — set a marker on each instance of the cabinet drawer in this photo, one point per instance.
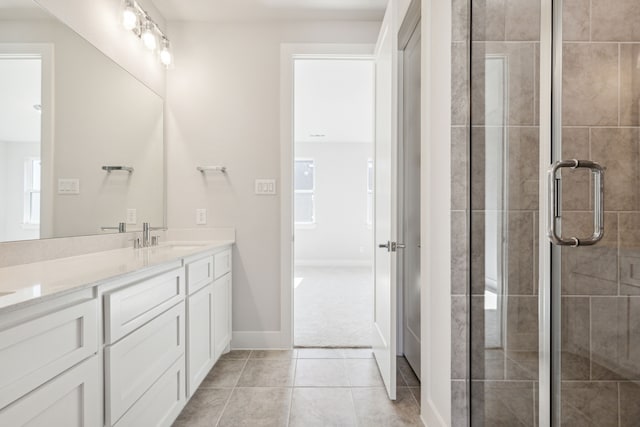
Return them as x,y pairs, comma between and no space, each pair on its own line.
129,308
199,274
162,403
222,263
38,350
71,400
136,362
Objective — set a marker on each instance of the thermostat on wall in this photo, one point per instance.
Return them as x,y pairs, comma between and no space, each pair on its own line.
68,186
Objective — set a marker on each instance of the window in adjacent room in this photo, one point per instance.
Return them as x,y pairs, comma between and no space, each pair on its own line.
32,173
304,185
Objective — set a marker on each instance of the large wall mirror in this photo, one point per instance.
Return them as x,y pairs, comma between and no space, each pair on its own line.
68,115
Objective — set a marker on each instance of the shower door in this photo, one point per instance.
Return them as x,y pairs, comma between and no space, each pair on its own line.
593,325
554,278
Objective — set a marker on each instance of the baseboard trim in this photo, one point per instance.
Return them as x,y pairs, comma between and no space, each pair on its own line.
268,340
333,263
430,415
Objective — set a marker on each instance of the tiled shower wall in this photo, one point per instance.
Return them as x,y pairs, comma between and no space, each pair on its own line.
600,291
459,211
503,371
600,285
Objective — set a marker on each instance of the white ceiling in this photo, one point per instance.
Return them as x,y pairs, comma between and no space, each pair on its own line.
270,10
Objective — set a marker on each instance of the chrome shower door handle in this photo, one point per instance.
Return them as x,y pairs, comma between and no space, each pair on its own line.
554,203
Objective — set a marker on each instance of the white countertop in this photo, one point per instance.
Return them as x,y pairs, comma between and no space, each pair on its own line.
26,284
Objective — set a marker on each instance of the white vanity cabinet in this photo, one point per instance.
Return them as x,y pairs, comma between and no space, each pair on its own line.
49,370
208,314
144,332
123,350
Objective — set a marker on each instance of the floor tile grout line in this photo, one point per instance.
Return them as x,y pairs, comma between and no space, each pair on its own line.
353,404
233,389
293,383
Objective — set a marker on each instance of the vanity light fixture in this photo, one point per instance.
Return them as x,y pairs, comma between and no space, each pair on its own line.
137,20
129,16
165,53
148,35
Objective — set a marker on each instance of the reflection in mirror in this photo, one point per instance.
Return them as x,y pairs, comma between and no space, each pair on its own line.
496,200
66,111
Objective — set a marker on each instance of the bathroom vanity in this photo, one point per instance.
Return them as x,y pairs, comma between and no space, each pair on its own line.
115,338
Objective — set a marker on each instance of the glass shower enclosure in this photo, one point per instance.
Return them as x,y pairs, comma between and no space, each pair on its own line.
554,213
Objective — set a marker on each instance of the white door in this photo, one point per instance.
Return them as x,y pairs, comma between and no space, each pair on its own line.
385,293
411,200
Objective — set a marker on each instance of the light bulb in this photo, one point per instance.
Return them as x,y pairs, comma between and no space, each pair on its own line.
165,54
148,37
129,17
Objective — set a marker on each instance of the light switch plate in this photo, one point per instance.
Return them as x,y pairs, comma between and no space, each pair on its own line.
201,216
132,216
265,187
68,186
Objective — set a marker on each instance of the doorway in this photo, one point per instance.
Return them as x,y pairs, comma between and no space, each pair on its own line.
20,144
333,201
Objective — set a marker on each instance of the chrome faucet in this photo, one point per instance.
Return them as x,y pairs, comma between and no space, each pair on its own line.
122,228
147,239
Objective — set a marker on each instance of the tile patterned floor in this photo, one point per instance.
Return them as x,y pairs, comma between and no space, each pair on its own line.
303,387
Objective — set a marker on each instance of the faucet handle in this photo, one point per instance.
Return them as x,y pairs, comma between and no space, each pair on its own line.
154,240
136,242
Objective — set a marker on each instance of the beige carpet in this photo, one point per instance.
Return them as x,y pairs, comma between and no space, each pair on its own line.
333,306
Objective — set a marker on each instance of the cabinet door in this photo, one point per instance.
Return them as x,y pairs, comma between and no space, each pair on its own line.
200,336
71,399
222,313
138,360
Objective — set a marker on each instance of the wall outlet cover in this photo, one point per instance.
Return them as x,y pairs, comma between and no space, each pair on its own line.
201,216
132,216
68,186
265,187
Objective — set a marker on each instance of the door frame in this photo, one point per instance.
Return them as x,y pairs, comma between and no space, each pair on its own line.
550,22
289,52
410,24
45,52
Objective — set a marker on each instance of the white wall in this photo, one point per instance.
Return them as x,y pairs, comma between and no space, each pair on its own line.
98,21
436,215
4,176
341,235
223,108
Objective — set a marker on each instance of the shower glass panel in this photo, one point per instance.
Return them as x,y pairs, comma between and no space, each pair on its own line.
504,174
596,293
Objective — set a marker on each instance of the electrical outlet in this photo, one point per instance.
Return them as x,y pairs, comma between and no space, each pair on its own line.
68,186
265,187
201,216
132,216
